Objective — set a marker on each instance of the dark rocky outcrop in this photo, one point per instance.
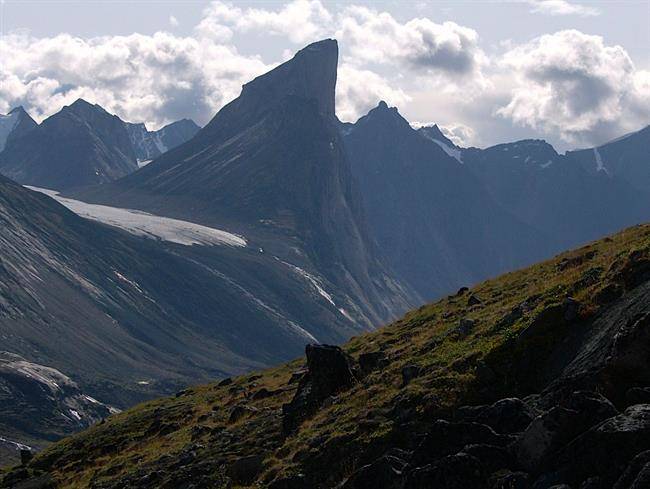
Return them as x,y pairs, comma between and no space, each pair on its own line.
458,471
386,472
509,415
329,370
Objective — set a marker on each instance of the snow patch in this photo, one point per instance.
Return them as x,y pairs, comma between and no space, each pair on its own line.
346,314
547,164
313,281
149,225
450,150
15,444
143,163
600,166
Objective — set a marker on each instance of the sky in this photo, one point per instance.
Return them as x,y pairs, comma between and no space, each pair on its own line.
576,73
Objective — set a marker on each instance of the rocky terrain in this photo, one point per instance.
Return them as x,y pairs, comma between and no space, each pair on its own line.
536,379
40,403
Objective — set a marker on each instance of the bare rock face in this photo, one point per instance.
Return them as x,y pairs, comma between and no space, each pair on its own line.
310,75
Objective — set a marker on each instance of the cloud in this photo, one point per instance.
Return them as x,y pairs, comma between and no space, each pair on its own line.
420,43
300,20
369,35
572,84
156,78
173,21
359,90
459,134
561,7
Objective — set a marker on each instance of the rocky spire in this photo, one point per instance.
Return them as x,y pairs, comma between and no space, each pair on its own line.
310,74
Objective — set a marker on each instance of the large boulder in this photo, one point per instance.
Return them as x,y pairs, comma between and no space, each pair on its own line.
607,448
492,458
385,472
637,473
245,470
555,428
445,438
329,371
510,415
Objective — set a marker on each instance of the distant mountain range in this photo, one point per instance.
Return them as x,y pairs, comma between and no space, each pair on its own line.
80,145
445,216
151,144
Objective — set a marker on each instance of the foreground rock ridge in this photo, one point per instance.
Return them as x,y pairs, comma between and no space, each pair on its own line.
536,379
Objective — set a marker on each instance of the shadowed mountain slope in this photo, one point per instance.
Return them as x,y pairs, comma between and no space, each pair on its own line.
434,220
80,145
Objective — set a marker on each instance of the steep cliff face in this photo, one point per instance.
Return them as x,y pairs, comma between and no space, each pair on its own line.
271,164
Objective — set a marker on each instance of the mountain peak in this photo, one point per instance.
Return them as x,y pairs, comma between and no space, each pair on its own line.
81,103
435,134
310,74
18,110
385,116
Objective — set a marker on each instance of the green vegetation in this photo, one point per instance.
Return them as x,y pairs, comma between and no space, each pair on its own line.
220,424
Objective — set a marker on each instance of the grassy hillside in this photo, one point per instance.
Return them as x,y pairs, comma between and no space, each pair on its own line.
205,433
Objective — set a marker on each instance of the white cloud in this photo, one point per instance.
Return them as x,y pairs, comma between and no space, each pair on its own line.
173,21
459,134
155,78
359,90
420,43
572,84
562,7
301,21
